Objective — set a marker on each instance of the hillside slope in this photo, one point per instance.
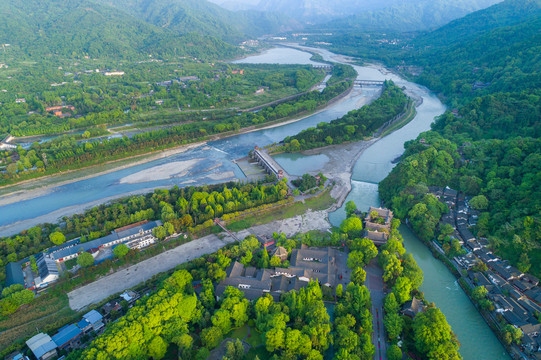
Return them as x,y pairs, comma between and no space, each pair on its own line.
203,17
499,48
76,28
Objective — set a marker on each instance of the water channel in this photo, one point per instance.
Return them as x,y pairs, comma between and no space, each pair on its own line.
213,163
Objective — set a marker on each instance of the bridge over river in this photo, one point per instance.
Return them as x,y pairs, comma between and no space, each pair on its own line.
362,83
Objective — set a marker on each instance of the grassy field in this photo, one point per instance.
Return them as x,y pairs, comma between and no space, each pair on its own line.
320,202
48,312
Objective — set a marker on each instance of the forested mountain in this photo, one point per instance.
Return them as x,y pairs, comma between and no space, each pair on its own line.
203,17
407,16
498,49
488,66
506,13
77,28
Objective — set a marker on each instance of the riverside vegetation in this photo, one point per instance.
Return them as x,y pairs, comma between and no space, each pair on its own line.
65,153
179,210
355,125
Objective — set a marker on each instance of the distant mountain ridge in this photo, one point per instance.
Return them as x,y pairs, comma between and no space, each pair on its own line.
506,13
374,15
498,48
203,17
409,16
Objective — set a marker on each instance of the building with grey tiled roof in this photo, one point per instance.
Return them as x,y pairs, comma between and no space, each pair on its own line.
306,264
377,224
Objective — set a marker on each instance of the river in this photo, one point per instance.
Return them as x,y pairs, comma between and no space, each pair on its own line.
213,163
205,164
440,286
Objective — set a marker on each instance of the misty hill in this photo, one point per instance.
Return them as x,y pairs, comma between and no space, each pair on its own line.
236,5
203,17
408,16
323,10
75,28
370,15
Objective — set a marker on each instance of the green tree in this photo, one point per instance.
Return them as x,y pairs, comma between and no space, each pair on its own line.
394,353
355,259
350,208
433,334
157,348
358,275
275,261
57,238
393,325
159,232
339,290
121,250
33,264
207,298
264,259
352,226
479,202
85,259
391,306
402,289
211,337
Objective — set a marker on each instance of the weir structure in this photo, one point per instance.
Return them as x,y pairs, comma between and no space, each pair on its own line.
268,163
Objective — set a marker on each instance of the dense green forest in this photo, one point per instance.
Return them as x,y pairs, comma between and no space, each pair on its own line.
78,28
179,209
492,150
489,148
355,125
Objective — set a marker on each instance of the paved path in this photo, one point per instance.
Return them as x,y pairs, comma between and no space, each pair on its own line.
374,282
133,275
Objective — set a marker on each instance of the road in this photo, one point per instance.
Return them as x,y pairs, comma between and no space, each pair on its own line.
124,279
374,282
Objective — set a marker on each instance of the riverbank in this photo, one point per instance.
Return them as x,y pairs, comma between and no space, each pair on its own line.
32,188
339,168
464,285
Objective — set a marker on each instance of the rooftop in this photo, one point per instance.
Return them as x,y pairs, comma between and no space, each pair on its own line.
66,334
41,344
93,316
14,274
